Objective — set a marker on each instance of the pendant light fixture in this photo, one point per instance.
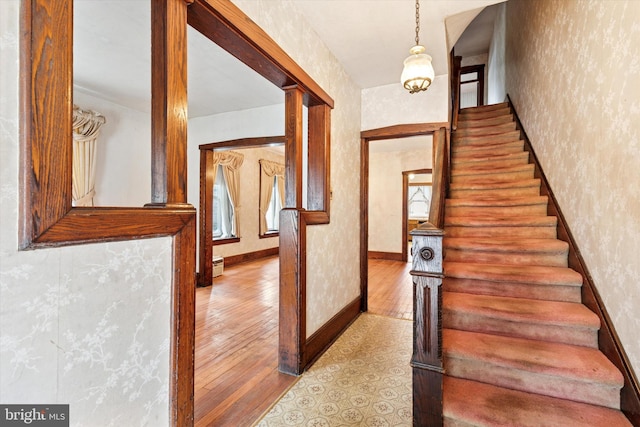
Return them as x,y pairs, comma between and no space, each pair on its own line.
418,73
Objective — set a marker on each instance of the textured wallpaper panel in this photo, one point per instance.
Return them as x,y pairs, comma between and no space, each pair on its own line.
333,276
85,325
573,72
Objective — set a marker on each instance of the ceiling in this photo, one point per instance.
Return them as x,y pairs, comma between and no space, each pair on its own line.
370,38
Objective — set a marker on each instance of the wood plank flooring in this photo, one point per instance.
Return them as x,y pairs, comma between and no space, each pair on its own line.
236,368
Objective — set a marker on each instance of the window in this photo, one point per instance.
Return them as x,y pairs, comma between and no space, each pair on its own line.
271,197
273,212
223,212
419,200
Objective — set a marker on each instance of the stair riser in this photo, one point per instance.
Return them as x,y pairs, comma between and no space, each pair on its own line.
498,120
555,333
492,121
485,130
499,192
465,153
474,163
499,211
482,140
479,115
561,387
547,232
513,289
508,258
492,177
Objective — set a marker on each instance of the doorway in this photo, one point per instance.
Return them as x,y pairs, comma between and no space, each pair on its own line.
472,86
366,192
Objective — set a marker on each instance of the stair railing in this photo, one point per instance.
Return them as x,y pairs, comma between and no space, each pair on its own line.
427,272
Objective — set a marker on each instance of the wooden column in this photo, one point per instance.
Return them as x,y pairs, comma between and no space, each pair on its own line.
293,146
207,173
426,361
169,103
292,315
319,158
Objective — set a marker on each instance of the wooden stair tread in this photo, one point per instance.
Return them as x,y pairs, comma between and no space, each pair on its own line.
522,310
471,140
509,221
543,275
484,169
489,185
548,358
497,201
507,245
479,404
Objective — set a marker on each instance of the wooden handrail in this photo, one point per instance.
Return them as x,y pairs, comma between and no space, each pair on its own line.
455,90
427,273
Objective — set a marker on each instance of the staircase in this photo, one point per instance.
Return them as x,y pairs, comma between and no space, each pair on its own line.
519,347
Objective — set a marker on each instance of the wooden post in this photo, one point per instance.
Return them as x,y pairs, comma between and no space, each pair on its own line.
293,146
426,361
169,111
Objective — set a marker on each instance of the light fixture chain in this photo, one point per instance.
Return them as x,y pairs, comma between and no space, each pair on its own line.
417,22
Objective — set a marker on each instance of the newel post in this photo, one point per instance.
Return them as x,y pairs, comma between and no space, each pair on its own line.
426,361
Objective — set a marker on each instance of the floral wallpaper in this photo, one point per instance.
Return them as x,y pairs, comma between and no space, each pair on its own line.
392,105
573,73
85,325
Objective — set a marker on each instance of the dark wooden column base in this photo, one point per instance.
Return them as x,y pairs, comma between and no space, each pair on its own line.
427,397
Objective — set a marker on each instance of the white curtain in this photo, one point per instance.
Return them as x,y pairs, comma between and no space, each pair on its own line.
268,170
86,128
231,162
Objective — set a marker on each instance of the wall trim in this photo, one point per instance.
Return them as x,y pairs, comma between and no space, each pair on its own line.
391,256
250,256
322,339
608,341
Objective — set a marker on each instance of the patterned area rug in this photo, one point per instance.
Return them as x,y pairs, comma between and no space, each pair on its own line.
364,379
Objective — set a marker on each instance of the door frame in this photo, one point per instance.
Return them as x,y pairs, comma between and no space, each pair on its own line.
389,132
479,68
405,206
205,252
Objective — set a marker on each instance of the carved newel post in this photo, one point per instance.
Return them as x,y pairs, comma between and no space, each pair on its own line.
426,361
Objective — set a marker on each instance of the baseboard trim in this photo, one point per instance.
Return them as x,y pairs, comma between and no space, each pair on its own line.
250,256
322,339
608,340
391,256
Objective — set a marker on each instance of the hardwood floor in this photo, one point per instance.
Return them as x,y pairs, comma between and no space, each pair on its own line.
236,368
390,289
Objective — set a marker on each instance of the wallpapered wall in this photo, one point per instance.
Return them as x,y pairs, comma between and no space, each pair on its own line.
86,325
123,167
573,72
385,193
495,73
333,277
392,105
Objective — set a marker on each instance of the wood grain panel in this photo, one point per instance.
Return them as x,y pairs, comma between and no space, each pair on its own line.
319,159
293,262
169,111
293,147
46,115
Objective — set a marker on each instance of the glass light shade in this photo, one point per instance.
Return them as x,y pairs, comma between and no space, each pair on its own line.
418,73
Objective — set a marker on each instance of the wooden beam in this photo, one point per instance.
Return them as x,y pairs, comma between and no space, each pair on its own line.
226,25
